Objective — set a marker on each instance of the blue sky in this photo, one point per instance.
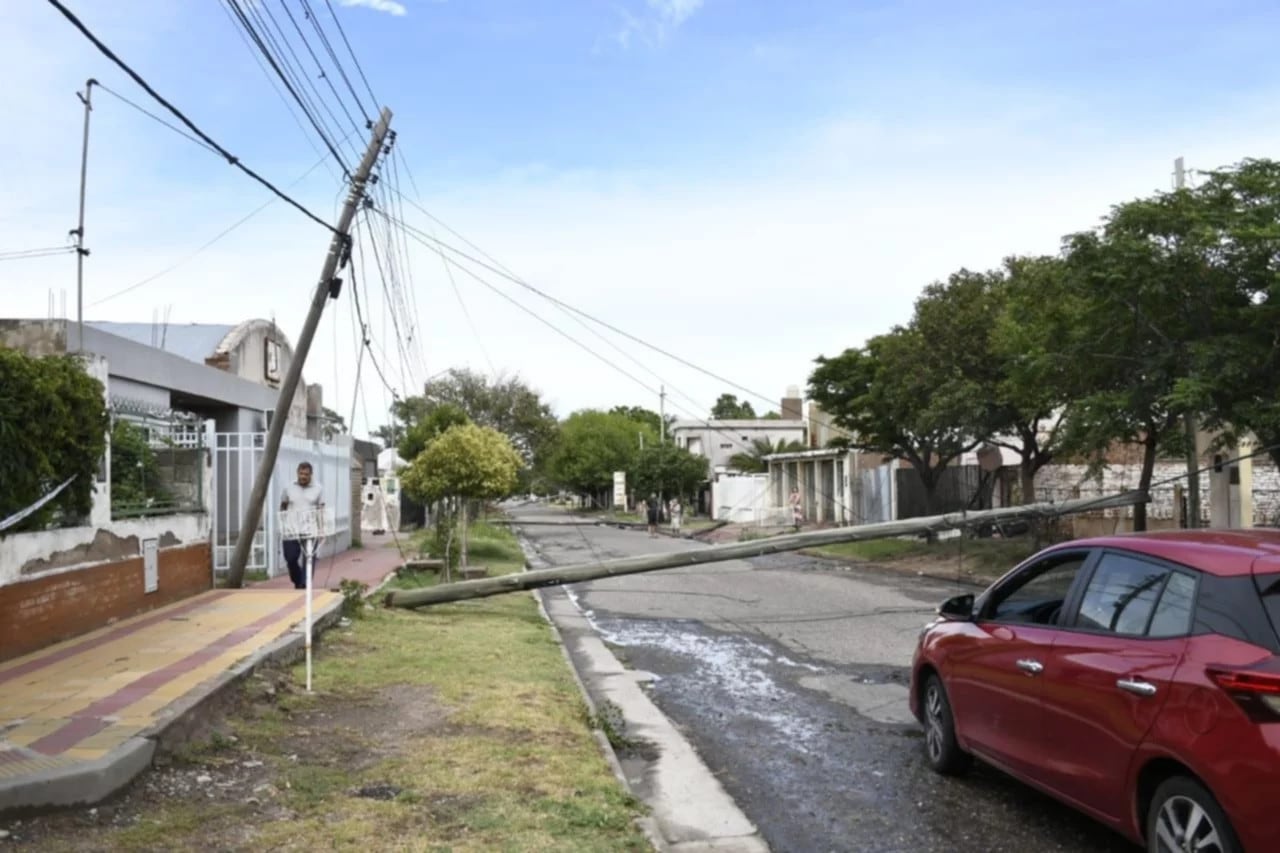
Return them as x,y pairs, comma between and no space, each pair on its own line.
747,183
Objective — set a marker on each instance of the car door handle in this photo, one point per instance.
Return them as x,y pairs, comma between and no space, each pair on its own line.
1031,667
1136,687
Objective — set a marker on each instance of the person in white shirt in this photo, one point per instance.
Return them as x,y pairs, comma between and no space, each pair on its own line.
304,494
675,511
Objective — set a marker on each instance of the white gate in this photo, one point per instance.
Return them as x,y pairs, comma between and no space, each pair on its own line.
236,456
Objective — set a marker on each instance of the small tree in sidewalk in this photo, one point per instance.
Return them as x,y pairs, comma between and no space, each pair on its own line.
465,463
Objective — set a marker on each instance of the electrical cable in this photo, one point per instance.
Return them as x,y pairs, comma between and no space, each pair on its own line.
221,234
310,15
29,254
157,118
137,78
234,5
342,32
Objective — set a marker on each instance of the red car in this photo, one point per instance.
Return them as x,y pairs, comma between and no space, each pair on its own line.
1136,678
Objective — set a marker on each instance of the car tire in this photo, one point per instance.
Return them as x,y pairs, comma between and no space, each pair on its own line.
940,745
1182,809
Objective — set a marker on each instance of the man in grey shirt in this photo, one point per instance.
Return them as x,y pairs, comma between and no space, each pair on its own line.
302,495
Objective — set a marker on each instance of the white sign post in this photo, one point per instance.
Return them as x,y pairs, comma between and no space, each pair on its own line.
620,489
308,527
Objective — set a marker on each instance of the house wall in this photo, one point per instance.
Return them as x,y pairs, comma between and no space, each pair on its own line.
720,441
58,605
247,359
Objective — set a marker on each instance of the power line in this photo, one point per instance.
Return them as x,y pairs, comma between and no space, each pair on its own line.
223,233
333,56
495,268
320,67
271,80
26,254
301,79
342,32
157,118
707,424
240,15
230,158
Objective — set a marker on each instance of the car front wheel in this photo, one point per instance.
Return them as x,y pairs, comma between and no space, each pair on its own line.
940,745
1184,817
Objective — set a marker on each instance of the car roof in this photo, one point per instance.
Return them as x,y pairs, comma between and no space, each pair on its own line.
1218,552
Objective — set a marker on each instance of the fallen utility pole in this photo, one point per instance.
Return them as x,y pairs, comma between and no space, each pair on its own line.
740,550
326,289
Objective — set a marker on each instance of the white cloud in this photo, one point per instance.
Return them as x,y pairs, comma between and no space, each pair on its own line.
391,7
675,12
653,25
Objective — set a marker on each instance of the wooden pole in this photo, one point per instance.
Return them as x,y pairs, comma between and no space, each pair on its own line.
740,550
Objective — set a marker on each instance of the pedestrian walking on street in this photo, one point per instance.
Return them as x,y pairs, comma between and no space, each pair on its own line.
676,511
797,508
305,494
653,510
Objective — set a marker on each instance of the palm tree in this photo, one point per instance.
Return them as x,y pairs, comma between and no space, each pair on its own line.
752,461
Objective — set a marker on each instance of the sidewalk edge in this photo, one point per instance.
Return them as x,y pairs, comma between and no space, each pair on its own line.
91,782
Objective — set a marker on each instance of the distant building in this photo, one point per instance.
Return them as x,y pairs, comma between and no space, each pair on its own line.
718,441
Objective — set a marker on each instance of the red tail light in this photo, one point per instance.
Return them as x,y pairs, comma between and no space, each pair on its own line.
1256,689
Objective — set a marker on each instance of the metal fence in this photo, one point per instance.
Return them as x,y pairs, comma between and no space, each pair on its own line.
961,487
157,461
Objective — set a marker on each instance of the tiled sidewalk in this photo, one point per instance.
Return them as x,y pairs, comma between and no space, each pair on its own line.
69,712
371,565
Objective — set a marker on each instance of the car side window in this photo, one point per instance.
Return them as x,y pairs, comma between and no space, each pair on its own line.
1036,595
1122,594
1173,612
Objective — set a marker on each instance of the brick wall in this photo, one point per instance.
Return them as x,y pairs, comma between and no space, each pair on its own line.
45,610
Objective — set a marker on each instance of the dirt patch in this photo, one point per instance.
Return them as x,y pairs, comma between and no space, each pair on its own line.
269,748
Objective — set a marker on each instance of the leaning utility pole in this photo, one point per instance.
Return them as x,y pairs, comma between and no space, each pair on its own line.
1189,422
81,251
327,288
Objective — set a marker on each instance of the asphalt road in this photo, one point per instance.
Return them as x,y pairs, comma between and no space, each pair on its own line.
789,676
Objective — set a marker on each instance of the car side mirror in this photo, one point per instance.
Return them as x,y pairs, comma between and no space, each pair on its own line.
959,609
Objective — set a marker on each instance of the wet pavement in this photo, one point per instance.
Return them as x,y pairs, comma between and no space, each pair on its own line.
789,676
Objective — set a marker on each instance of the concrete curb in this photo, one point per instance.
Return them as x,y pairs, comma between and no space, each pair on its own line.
92,782
691,811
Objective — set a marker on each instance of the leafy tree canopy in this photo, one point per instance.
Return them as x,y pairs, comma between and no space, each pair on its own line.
670,471
465,461
727,408
53,424
594,444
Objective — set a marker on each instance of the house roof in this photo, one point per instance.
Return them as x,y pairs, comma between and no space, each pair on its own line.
192,341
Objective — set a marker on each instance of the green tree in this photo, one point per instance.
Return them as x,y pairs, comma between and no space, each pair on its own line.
433,424
728,408
752,461
980,329
639,414
53,425
1236,370
592,445
135,474
466,462
1149,301
331,424
1036,383
667,470
895,395
506,404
